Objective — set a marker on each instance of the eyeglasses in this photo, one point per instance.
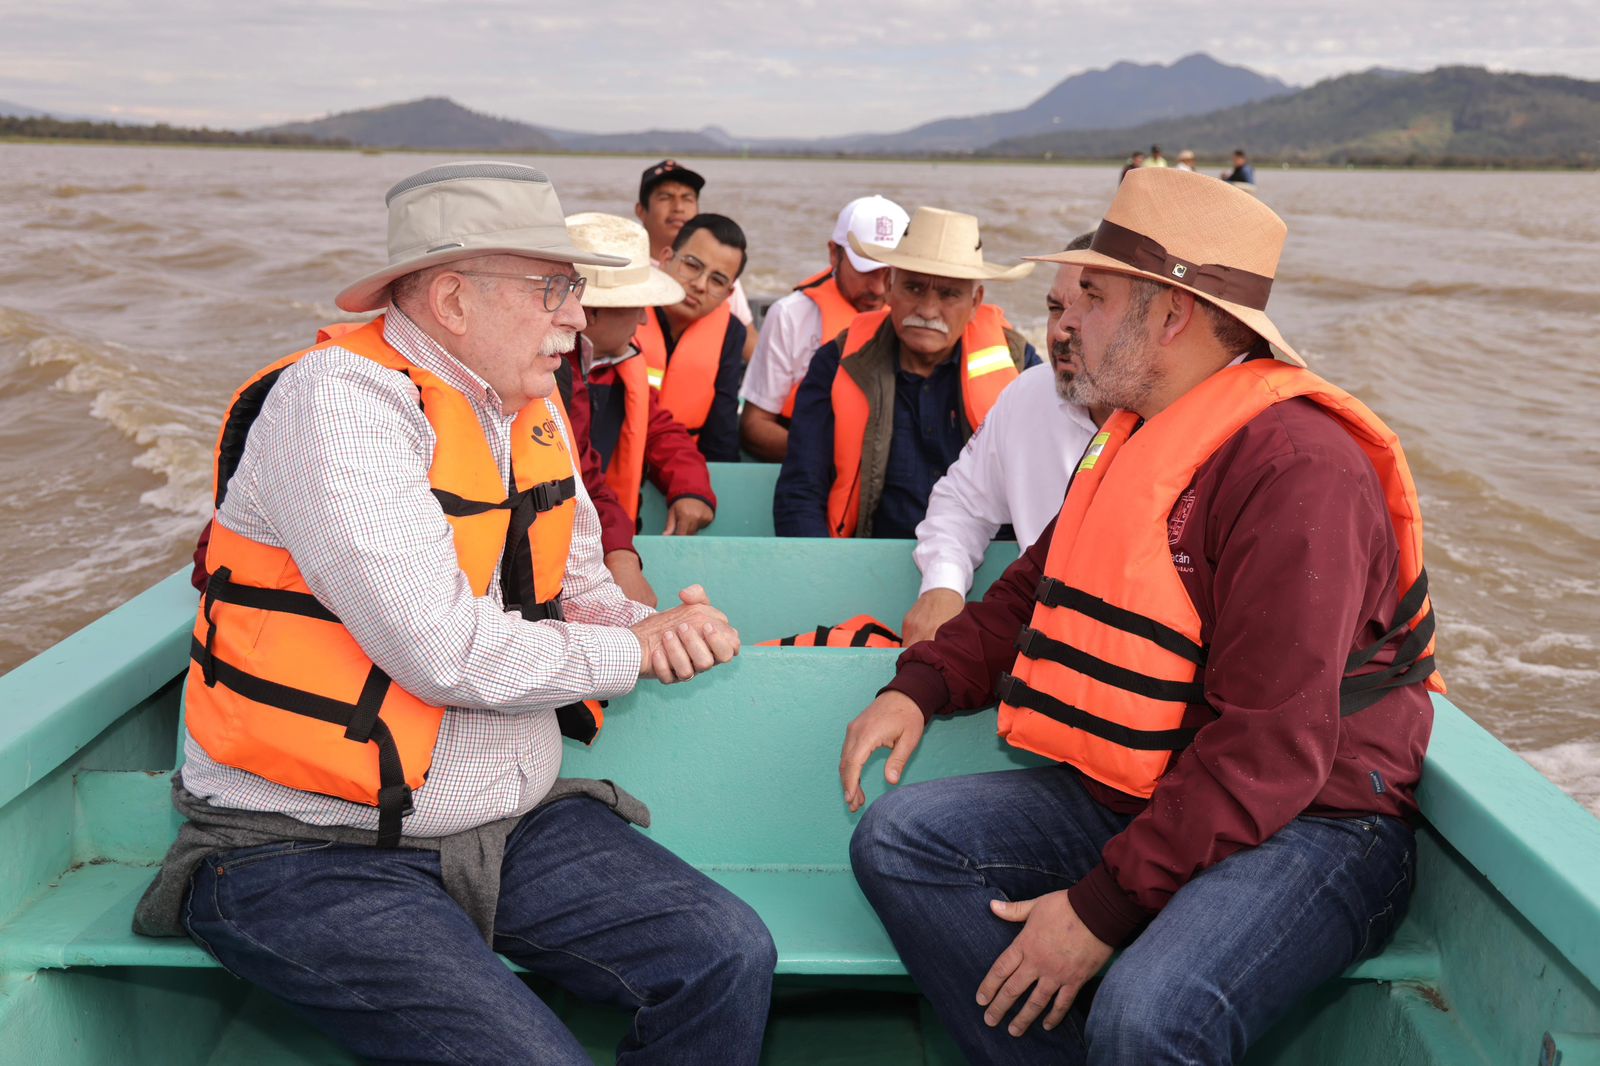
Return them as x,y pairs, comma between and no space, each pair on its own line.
557,287
690,268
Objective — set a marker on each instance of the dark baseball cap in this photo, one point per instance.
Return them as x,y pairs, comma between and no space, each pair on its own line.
668,170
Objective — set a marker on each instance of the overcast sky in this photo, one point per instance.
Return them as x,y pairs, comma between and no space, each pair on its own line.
805,67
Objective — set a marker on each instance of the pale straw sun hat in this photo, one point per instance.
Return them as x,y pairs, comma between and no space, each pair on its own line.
943,244
637,284
1195,233
461,210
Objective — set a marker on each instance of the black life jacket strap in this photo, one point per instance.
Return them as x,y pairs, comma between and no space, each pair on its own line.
578,720
545,496
1017,693
361,720
1053,592
1036,645
870,630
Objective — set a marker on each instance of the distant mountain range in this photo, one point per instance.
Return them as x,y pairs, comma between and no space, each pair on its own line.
1453,115
1121,95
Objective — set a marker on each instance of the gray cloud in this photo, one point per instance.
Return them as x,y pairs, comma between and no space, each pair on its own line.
809,67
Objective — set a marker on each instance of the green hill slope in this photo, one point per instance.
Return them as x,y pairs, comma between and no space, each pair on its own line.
1453,115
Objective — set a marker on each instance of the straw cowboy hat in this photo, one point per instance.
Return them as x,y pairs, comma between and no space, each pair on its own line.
944,244
461,210
638,284
1194,233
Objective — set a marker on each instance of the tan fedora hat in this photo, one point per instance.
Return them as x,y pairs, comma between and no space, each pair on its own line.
1196,233
461,210
636,285
944,244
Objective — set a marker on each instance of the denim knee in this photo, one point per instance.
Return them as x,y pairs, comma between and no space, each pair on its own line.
883,829
743,945
1160,1014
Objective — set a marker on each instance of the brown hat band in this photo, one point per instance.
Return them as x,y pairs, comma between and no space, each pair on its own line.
1149,255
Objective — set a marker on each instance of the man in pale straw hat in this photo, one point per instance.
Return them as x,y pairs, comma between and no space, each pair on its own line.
886,406
635,436
405,610
819,309
1222,645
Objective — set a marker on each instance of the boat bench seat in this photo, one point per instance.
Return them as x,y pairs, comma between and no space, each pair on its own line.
744,501
739,769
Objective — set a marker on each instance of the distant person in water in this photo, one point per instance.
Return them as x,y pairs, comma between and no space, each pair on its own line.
818,310
669,196
694,349
1242,173
1135,161
1156,158
1222,645
1186,159
1013,474
885,408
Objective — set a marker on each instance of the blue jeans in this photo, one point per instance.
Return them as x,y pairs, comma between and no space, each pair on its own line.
366,944
1233,950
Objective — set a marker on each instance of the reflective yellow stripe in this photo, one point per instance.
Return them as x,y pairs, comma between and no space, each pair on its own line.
1096,446
988,360
655,377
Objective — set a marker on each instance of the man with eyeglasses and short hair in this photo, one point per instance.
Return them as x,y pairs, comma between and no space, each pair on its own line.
694,349
886,408
405,611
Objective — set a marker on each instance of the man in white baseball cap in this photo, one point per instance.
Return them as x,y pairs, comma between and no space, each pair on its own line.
818,310
405,610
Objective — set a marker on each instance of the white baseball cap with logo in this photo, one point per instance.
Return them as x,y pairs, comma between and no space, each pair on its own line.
874,220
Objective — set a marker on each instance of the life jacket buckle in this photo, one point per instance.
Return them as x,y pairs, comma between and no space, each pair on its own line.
548,495
399,795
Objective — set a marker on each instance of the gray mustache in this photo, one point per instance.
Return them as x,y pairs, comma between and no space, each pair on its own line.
915,321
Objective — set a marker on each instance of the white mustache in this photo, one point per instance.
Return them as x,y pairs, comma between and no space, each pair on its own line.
558,342
917,321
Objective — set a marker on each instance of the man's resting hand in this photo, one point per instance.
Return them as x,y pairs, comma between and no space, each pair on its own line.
890,721
676,645
933,609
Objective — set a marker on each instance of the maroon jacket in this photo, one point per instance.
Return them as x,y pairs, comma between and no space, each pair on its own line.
1284,544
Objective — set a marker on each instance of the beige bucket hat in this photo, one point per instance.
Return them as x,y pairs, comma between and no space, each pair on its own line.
1195,233
638,284
461,210
944,244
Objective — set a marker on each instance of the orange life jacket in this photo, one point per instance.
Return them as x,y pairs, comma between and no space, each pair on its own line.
280,688
688,384
986,369
862,631
625,470
837,312
1112,656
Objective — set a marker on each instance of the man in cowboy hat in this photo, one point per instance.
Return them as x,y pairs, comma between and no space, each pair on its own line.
886,407
1222,644
405,606
634,435
817,310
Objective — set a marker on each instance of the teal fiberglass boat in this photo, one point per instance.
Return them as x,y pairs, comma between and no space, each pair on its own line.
1497,963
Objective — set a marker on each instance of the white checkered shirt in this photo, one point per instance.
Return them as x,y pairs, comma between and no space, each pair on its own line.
336,471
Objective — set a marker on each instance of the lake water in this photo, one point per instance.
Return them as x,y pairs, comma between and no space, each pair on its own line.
140,286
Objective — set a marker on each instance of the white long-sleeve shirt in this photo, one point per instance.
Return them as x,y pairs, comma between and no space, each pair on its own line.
790,335
1014,469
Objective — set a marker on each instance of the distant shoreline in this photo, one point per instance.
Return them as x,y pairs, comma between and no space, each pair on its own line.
956,160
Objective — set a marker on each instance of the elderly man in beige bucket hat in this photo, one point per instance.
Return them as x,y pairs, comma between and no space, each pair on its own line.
887,405
1224,647
405,610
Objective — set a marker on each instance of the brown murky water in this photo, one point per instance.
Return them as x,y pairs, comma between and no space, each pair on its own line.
139,286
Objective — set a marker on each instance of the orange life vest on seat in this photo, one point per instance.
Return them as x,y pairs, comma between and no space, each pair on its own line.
625,469
862,631
279,687
1112,656
688,384
986,369
837,312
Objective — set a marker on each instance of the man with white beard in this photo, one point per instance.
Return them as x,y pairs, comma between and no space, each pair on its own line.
1014,472
884,410
405,610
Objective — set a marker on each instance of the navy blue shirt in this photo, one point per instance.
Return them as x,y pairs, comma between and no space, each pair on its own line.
927,439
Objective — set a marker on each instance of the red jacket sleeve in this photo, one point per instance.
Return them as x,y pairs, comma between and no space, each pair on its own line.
616,528
672,459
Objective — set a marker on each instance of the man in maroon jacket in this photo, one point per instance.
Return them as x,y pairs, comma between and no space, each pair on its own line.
1263,846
